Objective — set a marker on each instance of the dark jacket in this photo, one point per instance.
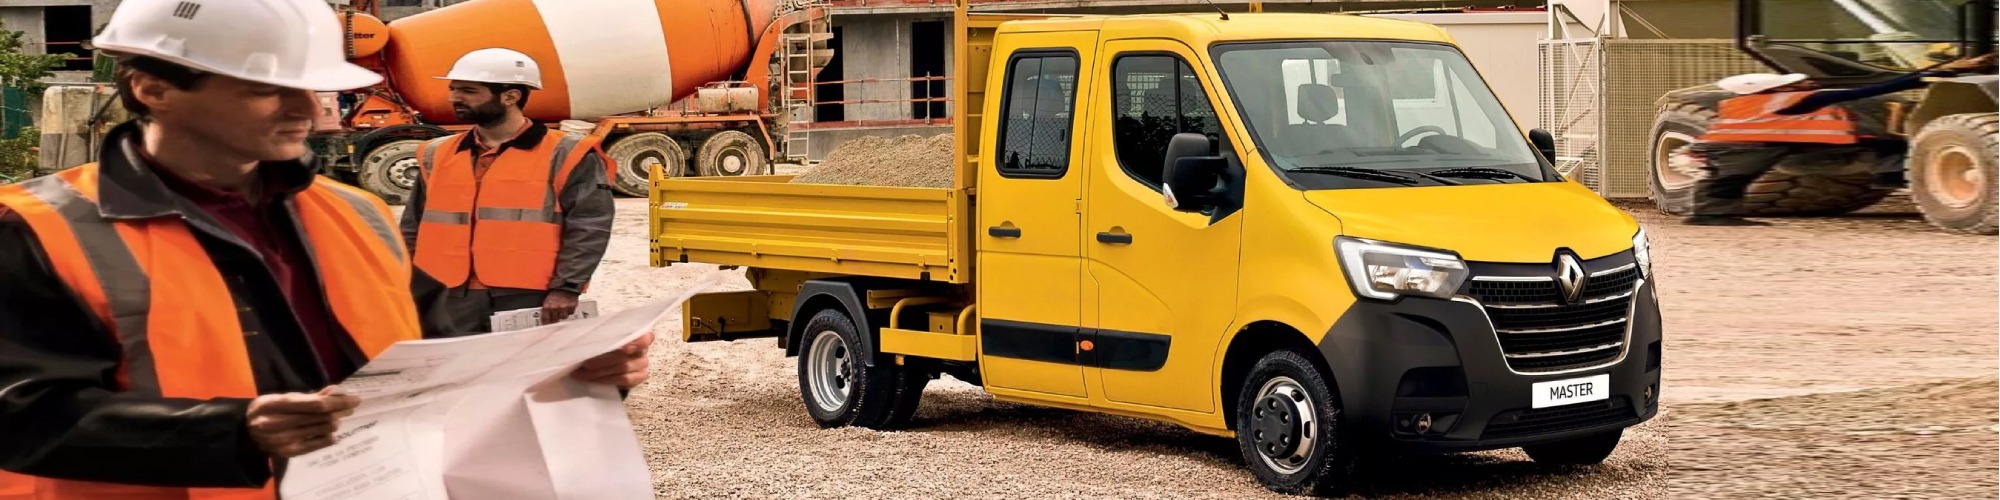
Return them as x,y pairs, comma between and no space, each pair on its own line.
59,414
586,207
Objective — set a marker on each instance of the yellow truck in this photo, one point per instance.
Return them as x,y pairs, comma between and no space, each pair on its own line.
1320,235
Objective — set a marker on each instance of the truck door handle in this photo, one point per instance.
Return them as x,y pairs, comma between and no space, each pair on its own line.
1003,232
1115,238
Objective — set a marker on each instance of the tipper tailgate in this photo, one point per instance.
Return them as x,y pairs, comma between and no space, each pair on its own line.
768,222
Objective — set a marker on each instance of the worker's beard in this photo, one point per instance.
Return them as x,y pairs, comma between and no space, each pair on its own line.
489,114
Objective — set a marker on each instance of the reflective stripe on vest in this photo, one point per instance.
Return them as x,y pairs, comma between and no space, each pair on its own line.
1753,118
506,226
188,342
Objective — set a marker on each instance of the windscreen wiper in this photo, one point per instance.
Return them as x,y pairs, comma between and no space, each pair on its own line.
1439,179
1483,172
1360,173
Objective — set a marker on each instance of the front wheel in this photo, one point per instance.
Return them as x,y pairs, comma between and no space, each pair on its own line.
1288,427
1587,450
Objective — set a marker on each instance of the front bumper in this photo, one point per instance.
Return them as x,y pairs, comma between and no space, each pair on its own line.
1395,361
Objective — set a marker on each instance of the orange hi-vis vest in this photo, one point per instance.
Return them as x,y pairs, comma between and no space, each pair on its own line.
506,226
185,341
1753,118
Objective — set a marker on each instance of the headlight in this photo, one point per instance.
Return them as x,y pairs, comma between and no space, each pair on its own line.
1642,254
1379,270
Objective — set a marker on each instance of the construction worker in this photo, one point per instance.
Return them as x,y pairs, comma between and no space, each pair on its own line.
1776,116
174,314
511,214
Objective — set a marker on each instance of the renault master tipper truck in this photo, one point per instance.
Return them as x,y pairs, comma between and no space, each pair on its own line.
1319,235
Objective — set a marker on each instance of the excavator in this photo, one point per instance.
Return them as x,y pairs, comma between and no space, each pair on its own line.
1948,130
690,87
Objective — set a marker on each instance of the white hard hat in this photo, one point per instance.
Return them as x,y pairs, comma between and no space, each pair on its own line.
288,43
497,65
1752,83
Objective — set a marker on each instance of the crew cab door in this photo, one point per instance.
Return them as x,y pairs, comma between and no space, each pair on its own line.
1165,280
1030,270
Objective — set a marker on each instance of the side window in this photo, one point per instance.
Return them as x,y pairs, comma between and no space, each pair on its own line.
1153,98
1034,133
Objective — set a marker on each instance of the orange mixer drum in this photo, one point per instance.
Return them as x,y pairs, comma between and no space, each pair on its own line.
598,58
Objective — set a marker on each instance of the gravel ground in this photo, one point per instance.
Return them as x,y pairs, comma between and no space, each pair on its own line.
1771,331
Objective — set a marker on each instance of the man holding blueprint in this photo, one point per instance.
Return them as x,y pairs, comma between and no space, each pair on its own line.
176,315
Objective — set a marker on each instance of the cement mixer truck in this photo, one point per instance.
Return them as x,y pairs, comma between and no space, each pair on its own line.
693,87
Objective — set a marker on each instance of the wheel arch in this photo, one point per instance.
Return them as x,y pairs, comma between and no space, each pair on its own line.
1250,344
1950,98
844,295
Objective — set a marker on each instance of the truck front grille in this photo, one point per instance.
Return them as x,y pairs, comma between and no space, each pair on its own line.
1540,331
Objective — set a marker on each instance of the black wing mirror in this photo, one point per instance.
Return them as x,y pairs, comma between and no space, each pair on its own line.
1544,142
1193,173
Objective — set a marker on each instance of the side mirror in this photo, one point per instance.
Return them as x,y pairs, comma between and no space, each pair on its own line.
1544,142
1192,173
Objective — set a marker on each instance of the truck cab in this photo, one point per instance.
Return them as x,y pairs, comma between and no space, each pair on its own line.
1320,235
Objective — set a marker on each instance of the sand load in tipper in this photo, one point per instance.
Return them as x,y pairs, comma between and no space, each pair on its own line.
907,161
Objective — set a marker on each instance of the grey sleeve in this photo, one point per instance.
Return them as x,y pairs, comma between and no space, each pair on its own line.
413,212
587,207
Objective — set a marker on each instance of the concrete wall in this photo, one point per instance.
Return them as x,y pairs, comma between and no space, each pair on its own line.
875,47
26,17
1502,47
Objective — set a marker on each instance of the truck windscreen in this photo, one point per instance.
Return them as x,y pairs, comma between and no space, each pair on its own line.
1337,114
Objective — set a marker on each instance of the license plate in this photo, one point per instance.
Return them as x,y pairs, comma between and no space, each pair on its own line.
1572,391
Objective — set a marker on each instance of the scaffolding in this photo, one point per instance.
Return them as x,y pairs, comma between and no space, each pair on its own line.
1599,96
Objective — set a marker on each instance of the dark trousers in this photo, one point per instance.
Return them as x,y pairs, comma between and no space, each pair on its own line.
472,309
1732,166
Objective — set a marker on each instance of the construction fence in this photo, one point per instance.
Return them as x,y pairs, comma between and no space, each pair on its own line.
1599,96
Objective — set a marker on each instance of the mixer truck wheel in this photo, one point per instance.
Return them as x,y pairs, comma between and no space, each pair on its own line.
390,170
636,155
731,153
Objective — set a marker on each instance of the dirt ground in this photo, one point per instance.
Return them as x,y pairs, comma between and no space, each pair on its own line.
1824,357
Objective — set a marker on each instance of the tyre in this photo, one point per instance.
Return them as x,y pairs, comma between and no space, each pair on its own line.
908,395
731,153
1587,450
838,386
1288,427
390,170
1800,185
636,155
1952,176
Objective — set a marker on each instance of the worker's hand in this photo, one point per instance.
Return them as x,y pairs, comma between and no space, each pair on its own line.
289,425
1975,64
558,306
625,367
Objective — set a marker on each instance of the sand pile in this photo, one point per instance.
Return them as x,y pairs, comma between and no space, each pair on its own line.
907,161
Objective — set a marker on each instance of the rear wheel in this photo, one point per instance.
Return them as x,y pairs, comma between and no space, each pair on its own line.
637,154
1952,174
1587,450
1800,185
731,153
1288,427
838,386
390,170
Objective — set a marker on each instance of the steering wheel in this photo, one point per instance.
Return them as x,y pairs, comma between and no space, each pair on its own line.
1413,133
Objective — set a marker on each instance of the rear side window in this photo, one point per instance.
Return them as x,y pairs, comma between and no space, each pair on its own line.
1035,125
1154,97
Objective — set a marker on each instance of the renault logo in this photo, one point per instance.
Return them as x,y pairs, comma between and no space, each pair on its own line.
1569,275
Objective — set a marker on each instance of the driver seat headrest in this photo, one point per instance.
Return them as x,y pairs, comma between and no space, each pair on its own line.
1318,102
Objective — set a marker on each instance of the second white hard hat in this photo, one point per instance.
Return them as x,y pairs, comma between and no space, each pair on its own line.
289,43
1752,83
497,65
